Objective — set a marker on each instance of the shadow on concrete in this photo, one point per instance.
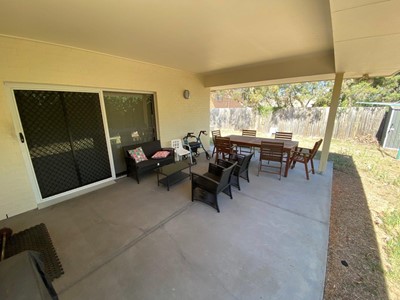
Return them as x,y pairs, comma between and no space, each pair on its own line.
354,267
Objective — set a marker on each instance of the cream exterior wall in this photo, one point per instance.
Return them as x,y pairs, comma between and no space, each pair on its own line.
24,61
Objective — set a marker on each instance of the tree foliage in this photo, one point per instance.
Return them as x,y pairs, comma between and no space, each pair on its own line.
314,94
126,102
378,89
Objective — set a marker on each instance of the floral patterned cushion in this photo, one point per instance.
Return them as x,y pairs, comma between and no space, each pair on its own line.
137,154
160,154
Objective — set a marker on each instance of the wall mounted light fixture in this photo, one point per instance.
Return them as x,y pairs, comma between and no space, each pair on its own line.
186,94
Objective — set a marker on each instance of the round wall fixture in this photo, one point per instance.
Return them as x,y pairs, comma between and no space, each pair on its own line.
186,94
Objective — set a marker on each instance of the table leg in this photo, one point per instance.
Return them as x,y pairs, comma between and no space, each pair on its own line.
287,163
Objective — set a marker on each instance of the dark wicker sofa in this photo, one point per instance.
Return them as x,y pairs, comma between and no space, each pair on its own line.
149,149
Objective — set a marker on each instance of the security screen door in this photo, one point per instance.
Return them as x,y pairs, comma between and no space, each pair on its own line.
131,120
65,136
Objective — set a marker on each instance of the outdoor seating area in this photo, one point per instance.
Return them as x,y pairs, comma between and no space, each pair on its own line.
281,150
130,241
275,156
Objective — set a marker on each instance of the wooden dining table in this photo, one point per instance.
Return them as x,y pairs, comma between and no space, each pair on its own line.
252,141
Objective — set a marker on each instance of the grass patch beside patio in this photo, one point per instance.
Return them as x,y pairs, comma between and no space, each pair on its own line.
379,173
391,222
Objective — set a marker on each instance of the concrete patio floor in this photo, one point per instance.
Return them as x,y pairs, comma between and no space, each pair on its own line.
130,241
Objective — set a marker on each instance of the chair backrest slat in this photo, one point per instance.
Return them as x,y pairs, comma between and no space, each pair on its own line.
176,144
242,160
244,164
226,176
315,148
249,132
216,133
223,144
284,135
271,151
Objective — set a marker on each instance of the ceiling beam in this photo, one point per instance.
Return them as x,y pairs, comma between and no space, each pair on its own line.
317,64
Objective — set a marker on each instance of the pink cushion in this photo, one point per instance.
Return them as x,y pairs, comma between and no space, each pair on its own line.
137,154
160,154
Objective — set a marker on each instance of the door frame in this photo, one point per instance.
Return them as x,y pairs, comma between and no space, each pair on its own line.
44,202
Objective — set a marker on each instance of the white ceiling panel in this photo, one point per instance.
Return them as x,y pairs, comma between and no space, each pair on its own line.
197,36
373,56
212,37
367,21
366,37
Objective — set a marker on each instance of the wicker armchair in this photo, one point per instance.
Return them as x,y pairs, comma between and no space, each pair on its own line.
241,169
206,187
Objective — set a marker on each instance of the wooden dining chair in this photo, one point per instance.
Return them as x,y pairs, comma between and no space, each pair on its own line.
304,156
272,153
215,133
247,132
286,136
223,147
281,135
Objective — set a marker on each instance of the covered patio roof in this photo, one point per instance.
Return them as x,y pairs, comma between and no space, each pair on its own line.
228,43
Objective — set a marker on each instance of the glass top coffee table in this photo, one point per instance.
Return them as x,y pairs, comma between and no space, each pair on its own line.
173,173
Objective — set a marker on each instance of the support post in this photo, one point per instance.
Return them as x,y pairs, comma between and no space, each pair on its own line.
331,122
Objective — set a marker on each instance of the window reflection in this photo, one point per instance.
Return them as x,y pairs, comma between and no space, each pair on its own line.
131,120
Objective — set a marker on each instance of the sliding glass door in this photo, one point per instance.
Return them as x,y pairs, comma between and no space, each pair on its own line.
131,120
64,132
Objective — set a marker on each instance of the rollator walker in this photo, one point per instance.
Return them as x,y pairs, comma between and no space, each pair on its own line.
193,143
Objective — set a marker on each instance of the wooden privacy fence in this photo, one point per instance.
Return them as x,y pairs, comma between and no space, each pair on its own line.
350,123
